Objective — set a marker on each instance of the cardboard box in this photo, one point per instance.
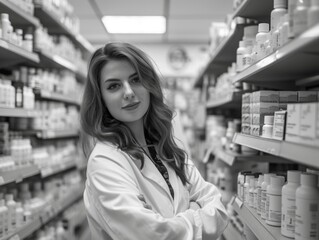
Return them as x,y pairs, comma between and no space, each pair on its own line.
308,123
279,125
307,96
266,96
293,123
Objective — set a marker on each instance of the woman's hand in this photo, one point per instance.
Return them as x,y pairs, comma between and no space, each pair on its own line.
147,206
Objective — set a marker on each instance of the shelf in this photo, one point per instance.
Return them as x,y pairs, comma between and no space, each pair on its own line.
51,170
63,133
258,10
56,26
17,16
45,217
223,55
230,157
303,154
232,100
18,112
262,230
230,233
46,95
298,59
18,174
11,54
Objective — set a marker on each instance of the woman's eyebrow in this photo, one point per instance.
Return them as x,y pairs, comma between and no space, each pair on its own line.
116,79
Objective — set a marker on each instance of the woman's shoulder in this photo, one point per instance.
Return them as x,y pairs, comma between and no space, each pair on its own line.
107,153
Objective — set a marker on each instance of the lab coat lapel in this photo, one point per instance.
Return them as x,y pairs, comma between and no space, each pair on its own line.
150,171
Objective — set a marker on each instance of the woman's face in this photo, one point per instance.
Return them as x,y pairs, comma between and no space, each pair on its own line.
122,91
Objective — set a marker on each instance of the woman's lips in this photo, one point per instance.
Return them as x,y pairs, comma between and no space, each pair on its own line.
131,106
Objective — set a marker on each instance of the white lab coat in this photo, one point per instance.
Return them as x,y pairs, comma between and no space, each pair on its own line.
114,181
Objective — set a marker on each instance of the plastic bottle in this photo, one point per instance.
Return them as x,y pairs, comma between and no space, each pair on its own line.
316,172
19,215
307,208
288,203
260,181
24,193
5,25
239,56
273,204
251,192
240,182
300,16
11,204
27,214
280,9
246,188
313,13
3,217
291,8
284,30
263,201
268,126
261,38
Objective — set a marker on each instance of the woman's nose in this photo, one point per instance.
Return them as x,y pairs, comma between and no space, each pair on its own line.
128,91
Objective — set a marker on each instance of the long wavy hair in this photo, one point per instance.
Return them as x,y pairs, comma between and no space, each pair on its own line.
99,125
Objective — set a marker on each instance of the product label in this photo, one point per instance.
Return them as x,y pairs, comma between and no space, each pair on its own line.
274,208
307,219
263,203
288,216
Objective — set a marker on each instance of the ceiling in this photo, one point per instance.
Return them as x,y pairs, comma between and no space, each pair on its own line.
188,21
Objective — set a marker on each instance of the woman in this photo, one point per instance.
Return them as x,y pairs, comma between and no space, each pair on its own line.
140,185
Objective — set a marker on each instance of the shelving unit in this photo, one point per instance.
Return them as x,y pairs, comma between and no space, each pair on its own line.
51,170
45,217
223,55
303,154
258,10
51,134
46,95
230,157
56,26
18,174
18,112
12,57
11,54
17,15
298,59
262,230
232,100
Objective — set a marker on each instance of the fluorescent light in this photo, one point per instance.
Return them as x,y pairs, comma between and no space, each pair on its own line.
135,24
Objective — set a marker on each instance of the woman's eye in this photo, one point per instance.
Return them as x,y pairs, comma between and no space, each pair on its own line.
113,86
135,80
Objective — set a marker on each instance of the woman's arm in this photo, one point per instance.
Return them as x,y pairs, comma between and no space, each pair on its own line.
211,218
112,194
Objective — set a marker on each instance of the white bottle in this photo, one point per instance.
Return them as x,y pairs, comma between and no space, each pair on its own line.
316,172
284,31
251,192
291,8
19,215
268,126
27,214
264,185
288,203
261,38
280,9
5,25
307,208
3,218
260,181
11,204
239,56
313,13
273,204
246,189
300,16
